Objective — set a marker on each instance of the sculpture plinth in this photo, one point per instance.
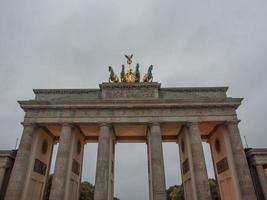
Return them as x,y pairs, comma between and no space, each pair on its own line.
134,91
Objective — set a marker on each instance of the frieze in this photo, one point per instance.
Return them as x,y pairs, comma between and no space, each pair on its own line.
127,112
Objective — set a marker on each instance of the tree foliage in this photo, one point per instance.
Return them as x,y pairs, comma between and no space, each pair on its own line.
176,192
86,190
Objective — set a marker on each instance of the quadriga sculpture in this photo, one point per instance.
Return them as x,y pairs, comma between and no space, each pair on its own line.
113,77
148,77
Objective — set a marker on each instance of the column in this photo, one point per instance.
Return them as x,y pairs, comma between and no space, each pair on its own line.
194,172
262,179
245,182
18,175
104,181
7,159
2,176
66,180
157,185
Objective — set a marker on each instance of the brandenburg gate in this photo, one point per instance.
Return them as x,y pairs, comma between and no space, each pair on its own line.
129,110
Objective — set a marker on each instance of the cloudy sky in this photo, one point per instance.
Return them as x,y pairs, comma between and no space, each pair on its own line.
69,44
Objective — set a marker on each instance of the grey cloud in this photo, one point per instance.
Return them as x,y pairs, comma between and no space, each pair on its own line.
69,44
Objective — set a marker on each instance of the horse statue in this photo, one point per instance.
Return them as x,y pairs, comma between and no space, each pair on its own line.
148,77
113,77
137,73
123,78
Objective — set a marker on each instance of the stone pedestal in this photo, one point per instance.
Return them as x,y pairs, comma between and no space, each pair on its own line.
66,180
156,173
104,181
194,172
244,178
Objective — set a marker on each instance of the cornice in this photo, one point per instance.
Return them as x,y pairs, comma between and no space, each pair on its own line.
196,89
117,104
131,101
130,85
256,152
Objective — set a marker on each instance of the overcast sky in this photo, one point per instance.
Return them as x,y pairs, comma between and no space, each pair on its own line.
70,44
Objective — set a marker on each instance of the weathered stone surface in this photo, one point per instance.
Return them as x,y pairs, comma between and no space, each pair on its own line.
130,102
123,105
198,164
7,159
224,167
200,93
104,180
194,172
130,90
32,177
66,94
243,173
19,172
257,160
66,180
262,179
157,184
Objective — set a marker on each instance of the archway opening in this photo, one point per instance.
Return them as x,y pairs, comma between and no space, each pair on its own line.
89,163
172,166
131,171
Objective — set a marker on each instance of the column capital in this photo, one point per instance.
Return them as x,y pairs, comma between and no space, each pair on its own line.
68,124
193,123
28,124
109,125
154,124
72,126
235,121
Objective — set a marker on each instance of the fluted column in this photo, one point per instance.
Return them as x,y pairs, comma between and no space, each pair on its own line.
198,162
66,179
240,161
104,181
194,171
2,176
157,184
23,158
